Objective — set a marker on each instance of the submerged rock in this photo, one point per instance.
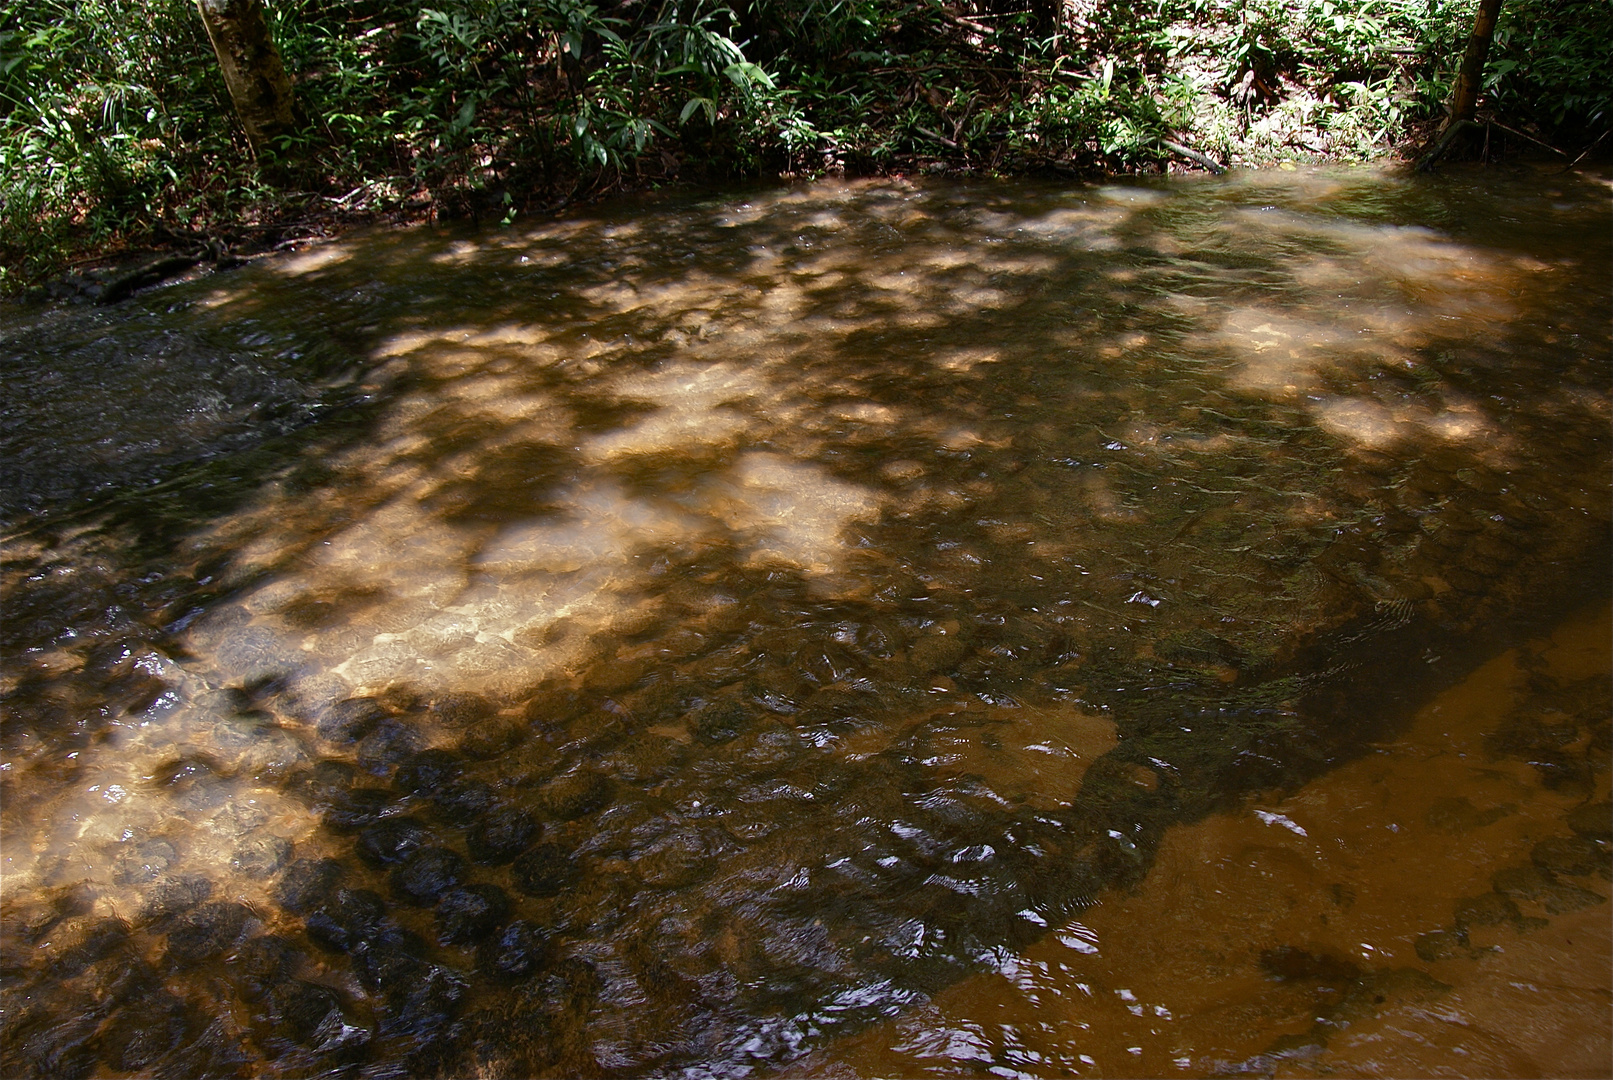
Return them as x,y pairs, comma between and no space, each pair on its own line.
466,915
206,931
426,875
518,952
544,870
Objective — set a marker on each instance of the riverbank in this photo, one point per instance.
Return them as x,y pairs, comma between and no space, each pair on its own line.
119,144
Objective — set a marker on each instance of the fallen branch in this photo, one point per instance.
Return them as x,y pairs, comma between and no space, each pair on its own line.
1194,156
150,273
942,139
1586,152
1525,135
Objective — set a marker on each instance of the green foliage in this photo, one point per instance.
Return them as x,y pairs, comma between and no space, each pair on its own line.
97,125
1552,64
114,122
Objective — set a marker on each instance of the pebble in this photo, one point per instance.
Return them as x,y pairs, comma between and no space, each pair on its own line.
426,875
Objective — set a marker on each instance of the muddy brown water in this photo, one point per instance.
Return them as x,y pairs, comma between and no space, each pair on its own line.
852,630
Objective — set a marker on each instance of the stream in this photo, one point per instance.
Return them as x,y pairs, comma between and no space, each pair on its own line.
855,629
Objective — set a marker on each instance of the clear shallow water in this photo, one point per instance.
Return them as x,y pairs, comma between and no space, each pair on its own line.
675,640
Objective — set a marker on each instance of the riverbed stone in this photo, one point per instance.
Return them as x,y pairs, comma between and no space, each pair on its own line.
351,719
467,914
140,861
307,883
426,875
1571,855
1594,820
351,810
491,737
545,870
390,743
260,857
574,795
95,940
347,918
1488,909
517,952
463,801
174,896
428,770
206,931
392,840
502,834
300,1007
460,709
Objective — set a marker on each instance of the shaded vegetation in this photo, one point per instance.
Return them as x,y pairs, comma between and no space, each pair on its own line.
115,127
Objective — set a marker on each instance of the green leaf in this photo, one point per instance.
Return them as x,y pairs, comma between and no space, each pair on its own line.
696,103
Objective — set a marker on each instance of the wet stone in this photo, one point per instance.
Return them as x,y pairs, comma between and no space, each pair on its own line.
1459,815
546,870
938,653
427,770
98,940
501,835
1594,820
390,962
300,1008
426,875
65,1051
252,654
273,756
428,1004
236,820
349,917
388,745
575,795
141,1035
306,884
240,731
352,810
174,896
463,801
141,861
391,841
1566,896
265,959
206,931
1523,882
466,915
720,722
492,737
1491,909
517,952
325,781
350,720
1571,855
458,710
261,857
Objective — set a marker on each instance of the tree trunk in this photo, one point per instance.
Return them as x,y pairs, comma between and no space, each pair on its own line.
1465,94
252,69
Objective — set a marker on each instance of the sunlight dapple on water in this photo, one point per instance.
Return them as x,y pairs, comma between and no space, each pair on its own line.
717,637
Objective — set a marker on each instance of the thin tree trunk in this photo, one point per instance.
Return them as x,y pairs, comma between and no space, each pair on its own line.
1465,94
252,68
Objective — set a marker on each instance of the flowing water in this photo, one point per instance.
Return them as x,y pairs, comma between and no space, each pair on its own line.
849,630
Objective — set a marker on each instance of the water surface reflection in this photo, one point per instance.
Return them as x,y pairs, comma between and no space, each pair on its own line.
666,640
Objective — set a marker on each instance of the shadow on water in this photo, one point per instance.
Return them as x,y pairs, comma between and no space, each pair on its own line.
662,641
